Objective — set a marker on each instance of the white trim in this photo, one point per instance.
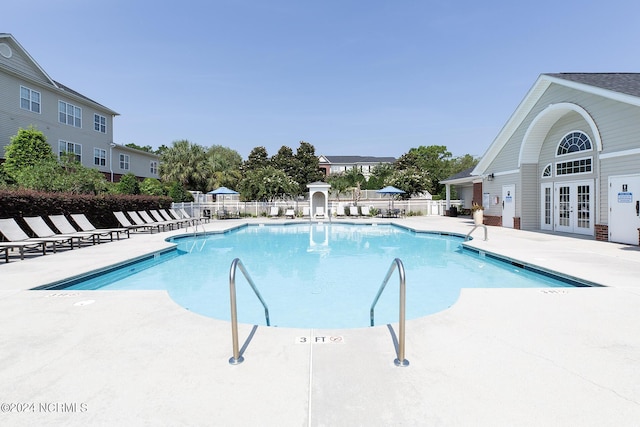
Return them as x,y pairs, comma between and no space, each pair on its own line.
539,128
529,101
570,154
511,172
623,153
606,93
561,162
35,64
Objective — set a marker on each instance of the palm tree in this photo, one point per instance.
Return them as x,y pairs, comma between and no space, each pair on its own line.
185,163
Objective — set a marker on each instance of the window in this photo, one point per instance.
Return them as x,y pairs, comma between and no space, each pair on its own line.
153,167
70,148
99,123
99,157
29,99
573,142
574,166
124,161
69,114
546,173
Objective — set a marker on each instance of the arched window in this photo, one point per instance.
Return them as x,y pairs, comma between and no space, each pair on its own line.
546,173
574,142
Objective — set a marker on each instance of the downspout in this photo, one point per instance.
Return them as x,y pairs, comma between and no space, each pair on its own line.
111,145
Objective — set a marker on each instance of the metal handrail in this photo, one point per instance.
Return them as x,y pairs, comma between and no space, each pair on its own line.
400,361
474,229
237,358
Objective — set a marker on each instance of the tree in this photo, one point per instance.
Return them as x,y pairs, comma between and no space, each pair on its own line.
223,167
412,181
309,167
152,187
379,176
286,161
434,161
258,158
267,184
128,184
178,194
27,148
146,148
185,163
339,184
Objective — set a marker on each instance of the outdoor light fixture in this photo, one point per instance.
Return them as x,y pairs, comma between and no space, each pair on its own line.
490,177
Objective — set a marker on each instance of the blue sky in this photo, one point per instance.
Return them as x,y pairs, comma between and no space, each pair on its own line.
350,77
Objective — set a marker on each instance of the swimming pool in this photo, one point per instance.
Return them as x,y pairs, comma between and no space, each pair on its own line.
316,275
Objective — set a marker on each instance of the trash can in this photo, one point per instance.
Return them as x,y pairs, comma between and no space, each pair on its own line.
453,211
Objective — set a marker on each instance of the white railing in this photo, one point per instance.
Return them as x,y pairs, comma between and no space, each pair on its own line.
258,209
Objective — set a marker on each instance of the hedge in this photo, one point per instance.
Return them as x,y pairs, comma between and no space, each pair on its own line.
99,209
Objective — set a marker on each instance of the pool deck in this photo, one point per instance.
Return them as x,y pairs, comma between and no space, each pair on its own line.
498,357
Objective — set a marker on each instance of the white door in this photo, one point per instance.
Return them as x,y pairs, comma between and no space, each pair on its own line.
546,206
624,209
573,207
508,205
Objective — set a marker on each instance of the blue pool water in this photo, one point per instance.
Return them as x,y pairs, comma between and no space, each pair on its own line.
318,275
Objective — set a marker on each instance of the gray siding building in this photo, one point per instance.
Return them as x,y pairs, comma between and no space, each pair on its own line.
71,122
568,159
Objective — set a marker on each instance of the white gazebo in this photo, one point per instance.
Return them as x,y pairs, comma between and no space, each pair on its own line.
318,199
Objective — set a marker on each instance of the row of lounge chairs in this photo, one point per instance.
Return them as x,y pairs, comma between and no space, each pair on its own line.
47,238
157,219
73,232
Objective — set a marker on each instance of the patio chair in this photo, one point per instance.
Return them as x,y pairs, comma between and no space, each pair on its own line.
274,212
306,212
354,212
83,222
138,220
152,218
126,223
63,225
319,212
168,217
191,221
18,239
290,213
42,230
340,211
195,220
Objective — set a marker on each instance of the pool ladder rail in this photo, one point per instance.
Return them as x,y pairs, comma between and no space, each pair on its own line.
397,263
237,358
468,236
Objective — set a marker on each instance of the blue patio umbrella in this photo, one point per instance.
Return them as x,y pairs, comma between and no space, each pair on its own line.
222,191
393,191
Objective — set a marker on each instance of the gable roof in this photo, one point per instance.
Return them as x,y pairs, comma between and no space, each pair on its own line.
622,87
55,86
358,159
627,83
462,176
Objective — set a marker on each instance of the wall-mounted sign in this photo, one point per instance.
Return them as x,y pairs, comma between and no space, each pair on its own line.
625,197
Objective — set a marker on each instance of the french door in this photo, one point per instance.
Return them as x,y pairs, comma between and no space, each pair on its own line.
573,207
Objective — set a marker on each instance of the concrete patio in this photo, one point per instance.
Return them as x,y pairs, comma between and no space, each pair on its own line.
498,357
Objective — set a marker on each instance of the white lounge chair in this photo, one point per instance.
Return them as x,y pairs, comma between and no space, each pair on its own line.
290,213
126,223
42,230
138,220
18,239
340,210
306,212
319,212
274,212
353,212
65,227
85,225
